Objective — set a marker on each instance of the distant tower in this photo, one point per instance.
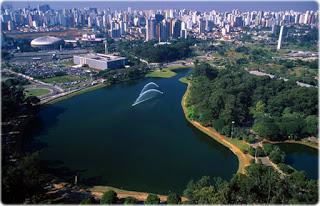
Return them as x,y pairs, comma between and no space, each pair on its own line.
280,38
105,46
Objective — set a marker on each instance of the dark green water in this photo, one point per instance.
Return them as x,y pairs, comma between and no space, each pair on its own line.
149,147
301,157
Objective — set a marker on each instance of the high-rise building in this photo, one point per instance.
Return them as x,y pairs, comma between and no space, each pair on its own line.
238,21
202,26
183,33
280,38
150,29
176,29
209,25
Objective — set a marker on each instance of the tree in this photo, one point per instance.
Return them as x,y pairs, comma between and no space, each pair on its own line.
267,147
88,201
291,125
276,155
152,199
266,127
311,125
173,199
207,191
130,201
109,197
259,109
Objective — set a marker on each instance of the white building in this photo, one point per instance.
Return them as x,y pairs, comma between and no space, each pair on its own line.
100,61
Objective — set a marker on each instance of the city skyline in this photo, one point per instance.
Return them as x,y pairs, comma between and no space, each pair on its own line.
201,6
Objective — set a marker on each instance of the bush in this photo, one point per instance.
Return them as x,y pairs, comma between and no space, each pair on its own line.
173,199
130,201
152,199
252,151
277,155
260,152
256,151
88,201
285,168
267,147
226,130
109,197
249,138
218,124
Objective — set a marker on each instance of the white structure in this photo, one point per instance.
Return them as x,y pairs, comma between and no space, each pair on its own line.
47,42
280,38
100,61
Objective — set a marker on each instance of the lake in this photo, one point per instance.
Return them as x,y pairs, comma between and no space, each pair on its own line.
301,157
149,147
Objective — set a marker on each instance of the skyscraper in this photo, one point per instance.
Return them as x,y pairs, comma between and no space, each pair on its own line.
280,38
202,26
150,29
176,29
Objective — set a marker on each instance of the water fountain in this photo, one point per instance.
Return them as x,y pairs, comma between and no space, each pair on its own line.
150,85
147,92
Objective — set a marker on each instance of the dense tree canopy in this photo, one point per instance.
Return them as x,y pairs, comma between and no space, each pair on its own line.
274,108
261,185
152,52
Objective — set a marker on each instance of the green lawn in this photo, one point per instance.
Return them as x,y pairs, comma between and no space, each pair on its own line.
184,80
164,73
239,143
62,79
176,67
36,92
167,72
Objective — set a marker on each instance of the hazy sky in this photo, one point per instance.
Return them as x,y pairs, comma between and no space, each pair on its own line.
196,5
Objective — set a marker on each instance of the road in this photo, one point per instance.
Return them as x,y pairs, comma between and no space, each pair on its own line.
55,88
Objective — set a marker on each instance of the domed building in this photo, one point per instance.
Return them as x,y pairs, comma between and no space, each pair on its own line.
47,42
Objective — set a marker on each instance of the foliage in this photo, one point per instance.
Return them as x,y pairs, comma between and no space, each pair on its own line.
261,185
159,53
207,191
130,201
22,179
285,168
109,197
173,199
311,125
152,199
21,176
267,147
249,138
276,155
266,127
88,201
275,109
118,75
259,152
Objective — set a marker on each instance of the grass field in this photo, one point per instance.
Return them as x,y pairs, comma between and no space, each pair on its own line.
164,73
62,79
239,143
36,92
184,80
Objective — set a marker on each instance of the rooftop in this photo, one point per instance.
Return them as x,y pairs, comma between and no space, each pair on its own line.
102,57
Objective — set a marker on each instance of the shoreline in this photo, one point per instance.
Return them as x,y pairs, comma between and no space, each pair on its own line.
97,191
74,93
308,144
243,159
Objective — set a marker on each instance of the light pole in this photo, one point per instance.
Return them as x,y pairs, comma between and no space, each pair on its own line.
232,127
